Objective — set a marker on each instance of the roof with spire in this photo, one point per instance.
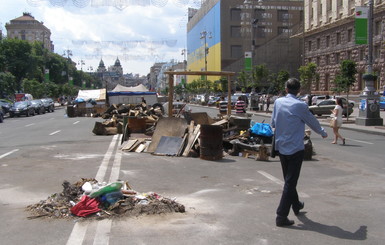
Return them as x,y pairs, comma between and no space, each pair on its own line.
117,62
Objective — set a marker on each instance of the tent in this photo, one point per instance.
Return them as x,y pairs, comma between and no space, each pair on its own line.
131,95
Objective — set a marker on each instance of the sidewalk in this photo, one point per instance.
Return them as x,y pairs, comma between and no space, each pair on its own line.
350,125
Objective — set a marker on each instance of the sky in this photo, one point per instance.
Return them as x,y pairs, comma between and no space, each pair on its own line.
138,32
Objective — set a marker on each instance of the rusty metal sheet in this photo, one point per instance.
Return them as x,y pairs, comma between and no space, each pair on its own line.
167,126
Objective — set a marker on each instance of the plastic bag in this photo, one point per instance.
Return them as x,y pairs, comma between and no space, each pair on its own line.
263,129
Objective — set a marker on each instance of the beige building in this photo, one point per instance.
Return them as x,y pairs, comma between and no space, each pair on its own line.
329,38
27,28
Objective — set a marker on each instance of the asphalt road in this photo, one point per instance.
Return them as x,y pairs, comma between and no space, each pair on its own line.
232,201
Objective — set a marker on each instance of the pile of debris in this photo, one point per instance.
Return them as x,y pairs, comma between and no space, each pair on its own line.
139,116
88,198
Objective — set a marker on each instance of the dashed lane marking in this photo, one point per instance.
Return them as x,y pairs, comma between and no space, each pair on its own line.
360,141
280,182
8,153
76,122
29,124
55,132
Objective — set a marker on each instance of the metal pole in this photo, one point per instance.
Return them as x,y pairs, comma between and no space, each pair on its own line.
370,37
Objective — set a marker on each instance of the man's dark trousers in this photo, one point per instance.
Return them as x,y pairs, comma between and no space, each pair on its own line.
291,168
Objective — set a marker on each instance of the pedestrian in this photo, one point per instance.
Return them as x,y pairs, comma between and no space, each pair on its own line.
240,106
337,116
267,103
222,106
289,118
314,100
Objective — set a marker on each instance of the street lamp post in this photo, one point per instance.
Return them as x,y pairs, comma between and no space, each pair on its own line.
369,110
205,35
67,53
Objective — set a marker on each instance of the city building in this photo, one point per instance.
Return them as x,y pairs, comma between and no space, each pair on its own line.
113,75
329,38
221,33
27,28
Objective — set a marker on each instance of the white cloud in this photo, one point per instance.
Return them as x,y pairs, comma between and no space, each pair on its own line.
138,35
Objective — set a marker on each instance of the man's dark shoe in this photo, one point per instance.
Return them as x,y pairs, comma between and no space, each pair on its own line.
283,222
297,209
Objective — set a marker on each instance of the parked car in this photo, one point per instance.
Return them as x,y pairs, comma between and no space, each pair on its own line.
22,108
38,106
5,105
382,103
49,104
327,105
1,115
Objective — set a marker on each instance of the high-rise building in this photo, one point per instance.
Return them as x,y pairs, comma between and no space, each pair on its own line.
27,28
220,33
329,38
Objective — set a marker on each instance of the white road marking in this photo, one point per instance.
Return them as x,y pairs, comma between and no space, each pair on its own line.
55,132
103,167
8,153
102,236
29,124
76,122
280,182
116,166
360,141
78,233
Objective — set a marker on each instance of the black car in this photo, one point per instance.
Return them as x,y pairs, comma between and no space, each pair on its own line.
5,105
1,115
22,108
38,106
49,104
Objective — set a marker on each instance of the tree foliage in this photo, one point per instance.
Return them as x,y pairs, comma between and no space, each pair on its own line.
23,65
308,74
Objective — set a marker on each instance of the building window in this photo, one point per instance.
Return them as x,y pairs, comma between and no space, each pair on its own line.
282,30
362,54
329,5
318,43
235,31
349,54
260,14
376,52
337,58
261,32
309,45
377,28
235,14
327,41
236,51
350,35
318,61
327,59
283,15
340,3
22,35
338,38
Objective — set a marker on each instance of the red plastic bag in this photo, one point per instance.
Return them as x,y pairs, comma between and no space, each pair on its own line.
86,206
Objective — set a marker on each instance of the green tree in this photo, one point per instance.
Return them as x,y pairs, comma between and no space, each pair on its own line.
345,78
33,87
308,74
18,59
7,84
244,80
260,75
277,82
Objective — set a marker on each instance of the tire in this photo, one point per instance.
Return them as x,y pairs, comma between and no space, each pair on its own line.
1,118
27,114
319,115
11,115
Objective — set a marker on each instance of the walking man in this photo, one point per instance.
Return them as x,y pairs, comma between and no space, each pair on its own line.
289,118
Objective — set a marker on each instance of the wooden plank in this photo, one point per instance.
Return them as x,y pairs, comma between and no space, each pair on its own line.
191,140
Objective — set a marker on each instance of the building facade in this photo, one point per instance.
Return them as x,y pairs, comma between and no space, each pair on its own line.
329,38
221,32
27,28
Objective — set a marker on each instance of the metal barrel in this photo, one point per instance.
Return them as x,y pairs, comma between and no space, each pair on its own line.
211,142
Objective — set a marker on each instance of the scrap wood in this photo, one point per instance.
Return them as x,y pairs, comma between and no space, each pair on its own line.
192,138
129,145
221,122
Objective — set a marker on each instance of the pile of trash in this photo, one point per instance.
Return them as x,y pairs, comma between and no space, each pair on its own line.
88,198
